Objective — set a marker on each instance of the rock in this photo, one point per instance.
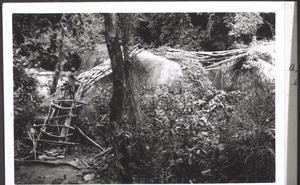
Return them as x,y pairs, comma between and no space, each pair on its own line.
89,177
265,68
265,59
156,70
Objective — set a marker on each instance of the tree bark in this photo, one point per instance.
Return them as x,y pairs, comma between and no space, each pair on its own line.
117,103
132,96
133,112
118,70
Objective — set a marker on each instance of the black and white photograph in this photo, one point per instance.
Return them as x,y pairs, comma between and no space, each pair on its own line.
109,97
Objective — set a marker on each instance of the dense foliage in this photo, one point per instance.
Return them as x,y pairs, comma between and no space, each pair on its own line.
208,127
204,31
25,100
194,132
49,39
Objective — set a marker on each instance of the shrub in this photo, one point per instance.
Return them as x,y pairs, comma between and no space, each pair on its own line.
216,137
25,100
249,133
194,132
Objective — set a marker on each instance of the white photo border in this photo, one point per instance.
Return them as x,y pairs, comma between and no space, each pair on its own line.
146,7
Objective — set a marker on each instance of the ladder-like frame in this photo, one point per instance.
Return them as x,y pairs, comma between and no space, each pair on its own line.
56,127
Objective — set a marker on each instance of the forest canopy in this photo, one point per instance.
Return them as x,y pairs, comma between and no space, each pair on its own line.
44,39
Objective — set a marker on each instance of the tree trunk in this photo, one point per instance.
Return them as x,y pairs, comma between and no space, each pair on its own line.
118,69
132,96
133,113
117,103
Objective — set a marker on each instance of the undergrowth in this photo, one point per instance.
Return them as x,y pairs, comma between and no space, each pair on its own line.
194,131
